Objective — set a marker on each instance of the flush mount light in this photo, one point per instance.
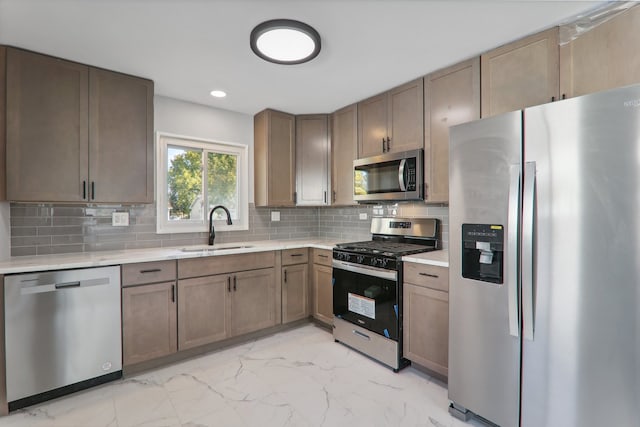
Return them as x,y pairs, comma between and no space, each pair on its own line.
218,93
285,41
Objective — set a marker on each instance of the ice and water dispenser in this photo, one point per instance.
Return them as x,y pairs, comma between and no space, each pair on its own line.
482,252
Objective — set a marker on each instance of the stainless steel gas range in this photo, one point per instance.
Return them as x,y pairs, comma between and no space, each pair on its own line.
367,286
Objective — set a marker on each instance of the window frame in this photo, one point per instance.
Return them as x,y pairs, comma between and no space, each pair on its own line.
163,225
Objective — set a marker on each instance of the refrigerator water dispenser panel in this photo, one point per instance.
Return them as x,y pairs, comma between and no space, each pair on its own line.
482,252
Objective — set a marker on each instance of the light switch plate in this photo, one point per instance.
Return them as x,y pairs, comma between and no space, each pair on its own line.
275,216
120,219
363,215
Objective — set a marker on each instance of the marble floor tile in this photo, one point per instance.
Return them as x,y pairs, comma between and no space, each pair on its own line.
296,378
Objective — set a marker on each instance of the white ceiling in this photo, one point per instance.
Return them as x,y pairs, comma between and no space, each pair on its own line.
189,47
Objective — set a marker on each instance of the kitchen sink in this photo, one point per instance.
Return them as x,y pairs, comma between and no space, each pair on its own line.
213,248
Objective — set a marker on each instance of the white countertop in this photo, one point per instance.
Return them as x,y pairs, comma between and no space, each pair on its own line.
26,264
437,258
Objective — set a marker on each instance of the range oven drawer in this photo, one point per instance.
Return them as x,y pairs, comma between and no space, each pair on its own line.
367,342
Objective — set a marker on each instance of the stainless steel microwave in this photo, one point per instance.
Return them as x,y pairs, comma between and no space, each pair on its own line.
389,177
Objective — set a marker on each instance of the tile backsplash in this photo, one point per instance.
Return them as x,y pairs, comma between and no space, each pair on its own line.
52,228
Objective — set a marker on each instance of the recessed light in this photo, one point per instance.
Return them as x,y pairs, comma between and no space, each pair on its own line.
218,93
285,41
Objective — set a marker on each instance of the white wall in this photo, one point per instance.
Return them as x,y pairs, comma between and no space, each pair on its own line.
199,121
5,231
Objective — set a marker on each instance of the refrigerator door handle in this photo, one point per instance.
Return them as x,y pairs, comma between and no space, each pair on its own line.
528,208
512,250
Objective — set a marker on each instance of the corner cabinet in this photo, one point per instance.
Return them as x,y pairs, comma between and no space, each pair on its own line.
312,160
605,57
452,96
75,133
344,150
520,74
426,316
392,121
274,158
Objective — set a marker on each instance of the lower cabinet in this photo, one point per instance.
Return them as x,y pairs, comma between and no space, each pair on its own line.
295,284
426,316
252,301
322,279
149,299
149,327
202,310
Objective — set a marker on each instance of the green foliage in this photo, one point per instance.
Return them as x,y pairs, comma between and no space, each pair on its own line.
185,181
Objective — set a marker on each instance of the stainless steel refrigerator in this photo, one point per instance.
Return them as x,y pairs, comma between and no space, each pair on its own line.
545,264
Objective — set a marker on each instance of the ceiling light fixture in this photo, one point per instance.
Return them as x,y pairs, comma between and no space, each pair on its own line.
218,93
285,41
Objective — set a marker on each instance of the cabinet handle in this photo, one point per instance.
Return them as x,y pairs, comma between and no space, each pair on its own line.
564,96
173,293
84,190
384,150
325,197
553,99
296,255
93,190
435,276
334,196
323,256
285,276
388,144
229,284
151,270
295,197
234,283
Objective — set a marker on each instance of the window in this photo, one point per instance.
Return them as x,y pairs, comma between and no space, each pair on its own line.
195,175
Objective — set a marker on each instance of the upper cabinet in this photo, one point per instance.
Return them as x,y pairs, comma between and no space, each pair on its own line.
604,57
391,121
344,150
520,74
3,122
452,96
274,159
76,133
312,160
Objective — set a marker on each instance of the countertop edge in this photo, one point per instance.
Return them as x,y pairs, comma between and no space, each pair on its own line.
31,264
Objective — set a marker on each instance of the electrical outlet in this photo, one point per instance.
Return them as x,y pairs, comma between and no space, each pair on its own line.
363,215
120,219
275,216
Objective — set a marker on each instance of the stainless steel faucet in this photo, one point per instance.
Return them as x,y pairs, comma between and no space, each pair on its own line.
212,232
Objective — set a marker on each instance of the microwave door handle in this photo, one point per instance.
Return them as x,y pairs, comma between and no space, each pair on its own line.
401,180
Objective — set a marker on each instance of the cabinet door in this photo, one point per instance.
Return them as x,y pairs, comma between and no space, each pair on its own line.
120,138
253,302
520,74
605,57
282,155
312,160
372,126
149,326
295,294
344,150
405,128
202,310
426,327
452,96
323,293
47,133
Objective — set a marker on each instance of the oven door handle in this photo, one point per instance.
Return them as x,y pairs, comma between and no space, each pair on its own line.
366,270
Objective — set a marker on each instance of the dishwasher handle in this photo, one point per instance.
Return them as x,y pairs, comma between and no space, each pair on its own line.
40,288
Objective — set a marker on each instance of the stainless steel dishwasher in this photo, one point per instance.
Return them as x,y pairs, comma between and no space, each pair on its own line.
62,332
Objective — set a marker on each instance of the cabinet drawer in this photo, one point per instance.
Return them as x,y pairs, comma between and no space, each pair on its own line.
429,276
148,272
322,257
197,267
295,256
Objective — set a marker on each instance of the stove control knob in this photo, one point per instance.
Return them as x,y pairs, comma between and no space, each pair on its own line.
383,263
360,259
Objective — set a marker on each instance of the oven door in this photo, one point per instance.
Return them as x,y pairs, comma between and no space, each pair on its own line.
366,296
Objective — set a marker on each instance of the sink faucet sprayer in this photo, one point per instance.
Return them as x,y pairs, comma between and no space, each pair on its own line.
212,232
